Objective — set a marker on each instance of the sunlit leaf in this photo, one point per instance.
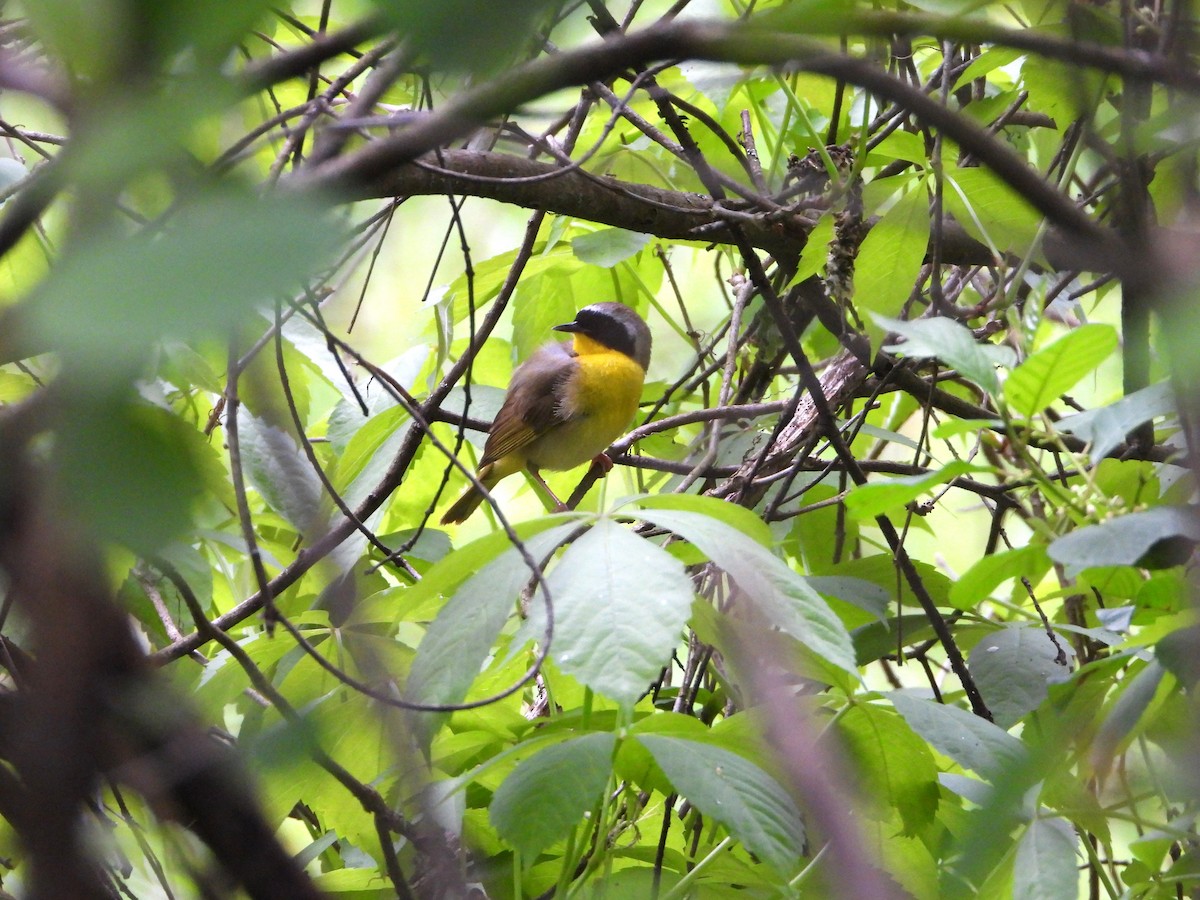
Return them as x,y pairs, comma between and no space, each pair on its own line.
608,246
1054,370
887,495
892,254
459,639
989,572
895,768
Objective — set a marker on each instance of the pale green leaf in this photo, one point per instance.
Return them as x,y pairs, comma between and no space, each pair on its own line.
889,495
952,343
989,572
459,639
203,274
893,766
989,209
608,246
1046,865
620,604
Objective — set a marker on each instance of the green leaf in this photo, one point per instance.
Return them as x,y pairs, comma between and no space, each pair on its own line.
1013,668
816,251
278,469
132,470
1124,540
866,501
1046,865
1105,427
1137,697
215,261
466,34
879,639
989,572
972,742
608,246
459,639
892,254
744,520
893,766
732,790
1179,654
866,595
548,794
620,604
989,209
952,343
542,302
1055,369
366,442
784,598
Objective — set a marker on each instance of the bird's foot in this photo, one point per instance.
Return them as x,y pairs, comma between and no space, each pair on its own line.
602,462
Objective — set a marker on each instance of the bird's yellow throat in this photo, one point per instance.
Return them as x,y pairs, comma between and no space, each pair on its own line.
610,384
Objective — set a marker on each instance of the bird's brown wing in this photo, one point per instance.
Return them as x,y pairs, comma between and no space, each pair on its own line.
532,405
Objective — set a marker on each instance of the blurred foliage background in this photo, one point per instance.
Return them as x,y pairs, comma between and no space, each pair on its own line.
888,595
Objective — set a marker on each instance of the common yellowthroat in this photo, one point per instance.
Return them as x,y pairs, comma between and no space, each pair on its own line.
567,402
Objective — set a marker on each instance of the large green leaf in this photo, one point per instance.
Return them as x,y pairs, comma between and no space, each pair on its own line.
620,604
735,792
784,598
608,246
892,254
548,794
989,572
202,275
280,472
460,638
866,501
131,470
1013,667
1046,867
972,742
990,209
893,766
1124,540
1054,370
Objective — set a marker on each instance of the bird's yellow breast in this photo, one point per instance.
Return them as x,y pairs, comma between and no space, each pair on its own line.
598,403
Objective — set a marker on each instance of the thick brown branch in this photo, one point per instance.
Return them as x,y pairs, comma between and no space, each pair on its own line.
1094,247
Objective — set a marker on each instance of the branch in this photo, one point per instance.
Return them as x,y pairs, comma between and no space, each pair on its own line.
1094,247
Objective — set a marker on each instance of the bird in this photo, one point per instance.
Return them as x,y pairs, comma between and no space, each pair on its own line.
567,402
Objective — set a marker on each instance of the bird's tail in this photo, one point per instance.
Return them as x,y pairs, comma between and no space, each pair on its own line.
470,499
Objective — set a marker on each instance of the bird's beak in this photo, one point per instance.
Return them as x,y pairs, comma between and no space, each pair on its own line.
569,326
